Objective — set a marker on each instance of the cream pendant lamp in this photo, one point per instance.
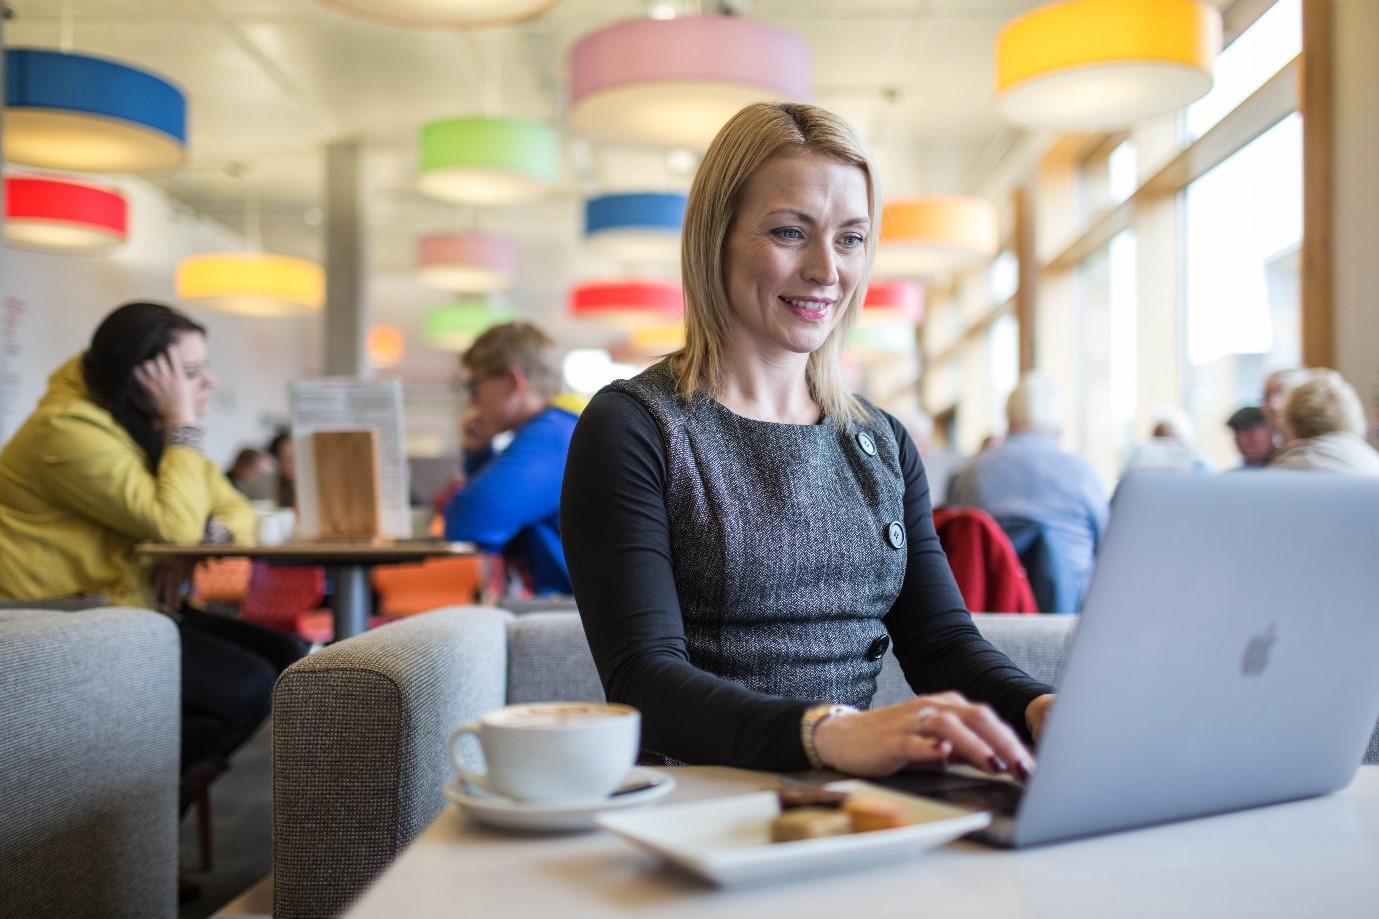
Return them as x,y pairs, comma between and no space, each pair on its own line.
674,82
1091,65
467,262
441,14
90,114
488,160
925,236
61,216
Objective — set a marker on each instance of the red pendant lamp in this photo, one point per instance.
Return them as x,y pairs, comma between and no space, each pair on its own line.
59,215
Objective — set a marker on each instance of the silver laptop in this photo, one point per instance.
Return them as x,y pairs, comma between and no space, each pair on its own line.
1227,657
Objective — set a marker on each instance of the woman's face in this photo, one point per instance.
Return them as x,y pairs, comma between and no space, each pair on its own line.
191,347
795,252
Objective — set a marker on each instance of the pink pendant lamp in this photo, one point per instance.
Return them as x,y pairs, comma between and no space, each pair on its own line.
674,82
466,262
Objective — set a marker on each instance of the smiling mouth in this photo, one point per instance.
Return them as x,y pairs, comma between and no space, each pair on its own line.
811,308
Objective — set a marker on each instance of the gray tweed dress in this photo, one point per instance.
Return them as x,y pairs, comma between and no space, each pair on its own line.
788,543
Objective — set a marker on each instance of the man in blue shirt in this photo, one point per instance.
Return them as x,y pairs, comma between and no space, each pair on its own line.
1028,476
510,501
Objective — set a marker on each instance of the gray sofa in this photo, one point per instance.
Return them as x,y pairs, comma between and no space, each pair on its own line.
359,729
89,722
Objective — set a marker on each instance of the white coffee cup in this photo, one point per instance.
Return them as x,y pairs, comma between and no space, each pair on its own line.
275,527
552,752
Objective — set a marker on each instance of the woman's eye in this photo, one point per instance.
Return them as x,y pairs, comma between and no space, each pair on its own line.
789,233
853,241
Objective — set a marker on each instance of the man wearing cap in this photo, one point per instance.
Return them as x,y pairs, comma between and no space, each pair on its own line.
1252,437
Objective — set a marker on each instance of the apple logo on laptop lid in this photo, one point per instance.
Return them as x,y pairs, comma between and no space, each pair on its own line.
1257,652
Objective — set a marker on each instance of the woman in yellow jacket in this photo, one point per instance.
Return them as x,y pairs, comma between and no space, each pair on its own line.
111,458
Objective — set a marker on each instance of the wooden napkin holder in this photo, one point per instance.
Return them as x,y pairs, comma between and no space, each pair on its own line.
347,484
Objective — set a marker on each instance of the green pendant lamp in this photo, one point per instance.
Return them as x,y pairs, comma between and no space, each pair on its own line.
490,161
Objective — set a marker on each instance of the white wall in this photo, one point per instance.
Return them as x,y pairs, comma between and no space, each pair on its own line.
52,303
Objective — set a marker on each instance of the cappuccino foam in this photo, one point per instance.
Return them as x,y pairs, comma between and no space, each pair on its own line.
555,714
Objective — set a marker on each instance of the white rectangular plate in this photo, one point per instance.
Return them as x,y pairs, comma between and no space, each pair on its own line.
727,840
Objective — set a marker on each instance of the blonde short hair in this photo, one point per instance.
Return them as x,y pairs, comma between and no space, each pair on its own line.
1324,403
750,138
1036,405
521,345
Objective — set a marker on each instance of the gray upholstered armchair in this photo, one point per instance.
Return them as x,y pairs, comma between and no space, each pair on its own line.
359,729
89,721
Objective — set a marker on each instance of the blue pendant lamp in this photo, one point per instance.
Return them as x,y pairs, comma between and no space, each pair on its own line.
89,114
641,227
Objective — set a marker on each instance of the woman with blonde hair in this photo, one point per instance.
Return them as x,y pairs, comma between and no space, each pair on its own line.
1324,422
745,537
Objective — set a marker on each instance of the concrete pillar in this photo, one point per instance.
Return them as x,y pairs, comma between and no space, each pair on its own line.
347,308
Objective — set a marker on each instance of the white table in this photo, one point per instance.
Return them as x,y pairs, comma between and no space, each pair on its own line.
1309,858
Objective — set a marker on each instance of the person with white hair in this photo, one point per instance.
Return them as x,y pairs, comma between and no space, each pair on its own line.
1030,476
1324,423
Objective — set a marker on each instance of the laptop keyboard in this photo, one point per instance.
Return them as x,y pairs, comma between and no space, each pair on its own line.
1000,797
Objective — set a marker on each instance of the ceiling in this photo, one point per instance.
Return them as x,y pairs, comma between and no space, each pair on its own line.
271,82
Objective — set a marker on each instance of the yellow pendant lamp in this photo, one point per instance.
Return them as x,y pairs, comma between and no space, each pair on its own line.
1089,65
251,284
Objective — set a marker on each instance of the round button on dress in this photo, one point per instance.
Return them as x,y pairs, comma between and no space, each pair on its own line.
866,443
878,648
896,534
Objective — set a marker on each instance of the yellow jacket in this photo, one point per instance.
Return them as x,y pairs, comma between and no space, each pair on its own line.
76,496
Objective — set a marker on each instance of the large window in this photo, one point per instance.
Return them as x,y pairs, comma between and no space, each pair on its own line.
1107,388
1259,53
1243,232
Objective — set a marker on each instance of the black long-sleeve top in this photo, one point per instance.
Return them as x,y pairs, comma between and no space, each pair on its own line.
616,532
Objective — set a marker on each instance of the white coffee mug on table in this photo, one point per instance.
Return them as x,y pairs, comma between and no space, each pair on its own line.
552,752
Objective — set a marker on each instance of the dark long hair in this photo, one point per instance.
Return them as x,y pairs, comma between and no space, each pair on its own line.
133,333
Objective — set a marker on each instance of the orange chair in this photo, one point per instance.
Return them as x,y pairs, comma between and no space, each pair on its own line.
408,589
221,581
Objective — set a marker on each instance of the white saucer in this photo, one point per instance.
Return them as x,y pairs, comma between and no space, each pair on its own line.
509,814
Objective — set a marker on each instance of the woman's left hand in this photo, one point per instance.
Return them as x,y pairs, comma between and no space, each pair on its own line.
171,583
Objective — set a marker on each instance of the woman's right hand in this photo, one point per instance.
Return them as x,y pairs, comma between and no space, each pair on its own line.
927,731
171,393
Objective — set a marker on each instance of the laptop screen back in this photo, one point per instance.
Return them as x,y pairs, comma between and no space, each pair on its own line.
1228,654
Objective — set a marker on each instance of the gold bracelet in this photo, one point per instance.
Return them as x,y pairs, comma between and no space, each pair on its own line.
813,717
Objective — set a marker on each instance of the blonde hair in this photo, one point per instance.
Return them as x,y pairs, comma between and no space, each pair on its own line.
521,345
750,138
1323,403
